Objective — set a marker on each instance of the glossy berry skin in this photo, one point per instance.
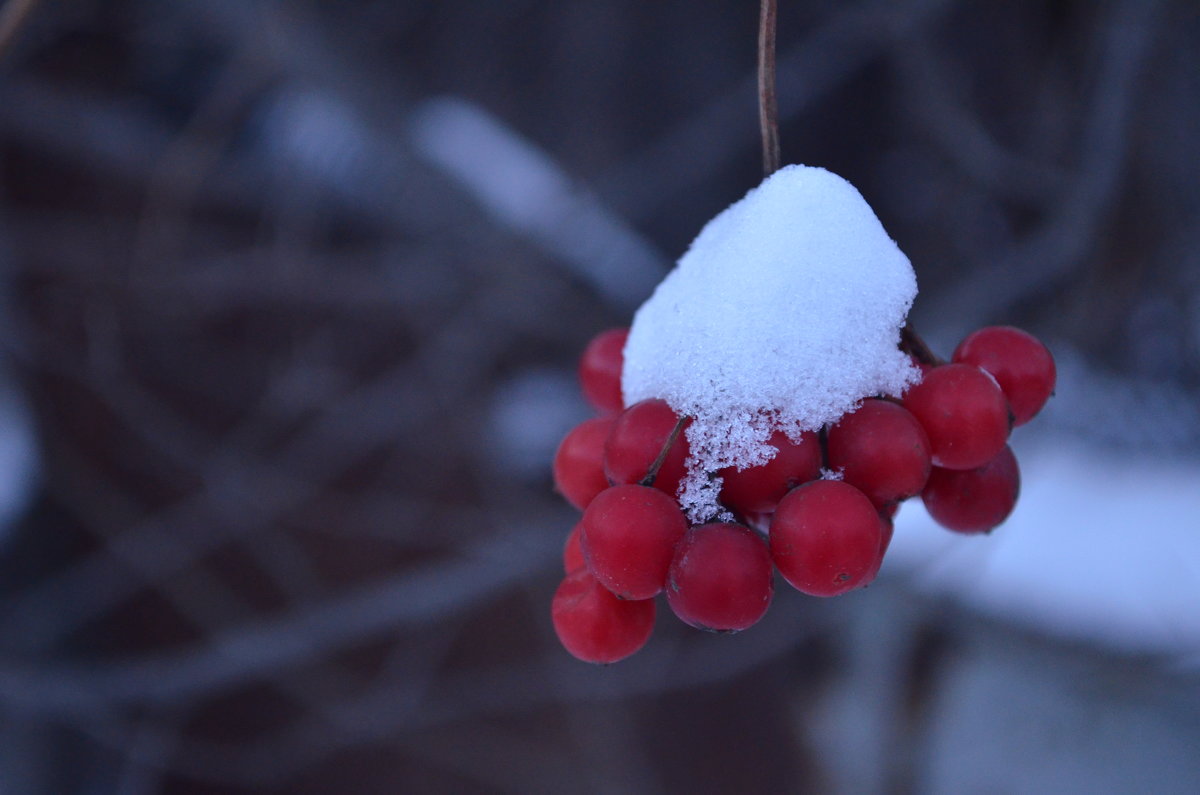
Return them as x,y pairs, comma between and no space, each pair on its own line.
600,370
1018,361
628,539
636,439
579,461
882,450
720,578
974,500
572,552
826,538
964,412
759,489
594,625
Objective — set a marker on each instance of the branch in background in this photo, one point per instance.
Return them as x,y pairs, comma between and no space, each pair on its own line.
13,17
232,657
526,191
851,38
1044,258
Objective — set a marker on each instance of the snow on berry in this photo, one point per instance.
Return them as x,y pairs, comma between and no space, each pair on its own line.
783,315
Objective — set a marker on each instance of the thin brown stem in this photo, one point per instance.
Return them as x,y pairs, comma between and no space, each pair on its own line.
12,16
652,473
912,344
768,111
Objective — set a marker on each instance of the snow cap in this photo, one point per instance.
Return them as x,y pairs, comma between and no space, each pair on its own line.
784,313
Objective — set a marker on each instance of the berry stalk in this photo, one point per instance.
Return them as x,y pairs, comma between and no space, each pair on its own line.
768,110
652,472
912,344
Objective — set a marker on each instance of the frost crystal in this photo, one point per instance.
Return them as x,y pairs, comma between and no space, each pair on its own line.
785,313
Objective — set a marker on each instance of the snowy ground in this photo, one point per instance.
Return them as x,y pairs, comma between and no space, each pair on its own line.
1102,546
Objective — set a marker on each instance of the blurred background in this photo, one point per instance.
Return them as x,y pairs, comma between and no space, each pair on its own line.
293,294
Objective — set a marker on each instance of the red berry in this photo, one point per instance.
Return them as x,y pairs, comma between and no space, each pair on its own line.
974,500
636,440
579,461
759,489
720,578
882,450
628,539
596,626
1018,361
964,412
572,553
825,538
600,370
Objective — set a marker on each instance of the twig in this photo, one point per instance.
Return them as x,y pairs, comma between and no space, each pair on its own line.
13,16
768,109
912,344
652,473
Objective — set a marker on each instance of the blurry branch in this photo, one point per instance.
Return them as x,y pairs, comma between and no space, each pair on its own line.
192,154
148,750
686,155
242,493
232,657
115,138
962,138
1048,256
399,706
525,190
199,288
13,15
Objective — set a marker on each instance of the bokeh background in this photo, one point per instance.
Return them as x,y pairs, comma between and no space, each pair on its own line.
293,295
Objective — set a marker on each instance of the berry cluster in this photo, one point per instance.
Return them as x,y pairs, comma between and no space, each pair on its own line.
946,440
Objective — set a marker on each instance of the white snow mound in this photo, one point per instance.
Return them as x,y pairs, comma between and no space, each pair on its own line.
785,313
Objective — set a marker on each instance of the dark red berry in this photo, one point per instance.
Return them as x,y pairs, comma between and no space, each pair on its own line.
628,539
881,450
596,626
974,500
1018,361
579,461
572,553
825,538
635,441
759,489
964,412
600,370
720,578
